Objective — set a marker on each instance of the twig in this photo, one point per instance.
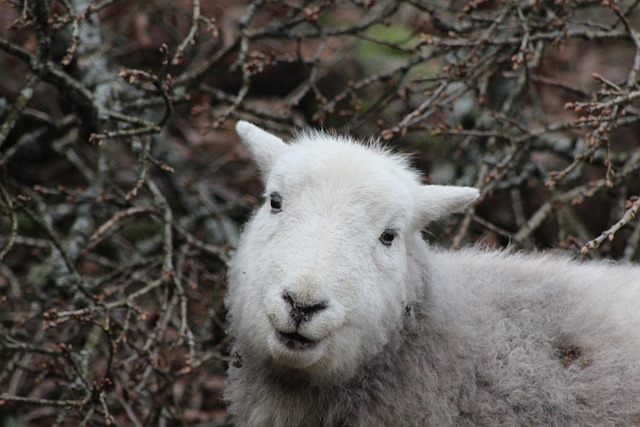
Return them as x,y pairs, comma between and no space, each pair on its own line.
189,38
609,234
41,402
18,106
13,221
98,235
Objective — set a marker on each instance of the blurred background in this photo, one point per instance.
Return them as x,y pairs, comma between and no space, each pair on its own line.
123,186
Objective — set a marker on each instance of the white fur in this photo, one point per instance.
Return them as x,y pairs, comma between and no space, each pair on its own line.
401,333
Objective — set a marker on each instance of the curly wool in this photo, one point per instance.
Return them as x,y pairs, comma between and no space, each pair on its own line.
466,338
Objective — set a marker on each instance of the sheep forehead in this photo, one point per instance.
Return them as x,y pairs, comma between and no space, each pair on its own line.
341,170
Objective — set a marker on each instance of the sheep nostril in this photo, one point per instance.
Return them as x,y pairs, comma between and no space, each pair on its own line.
288,297
301,312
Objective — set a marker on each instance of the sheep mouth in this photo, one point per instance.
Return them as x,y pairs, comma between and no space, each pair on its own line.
296,342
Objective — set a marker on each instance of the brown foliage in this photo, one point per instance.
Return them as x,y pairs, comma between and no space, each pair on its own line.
121,183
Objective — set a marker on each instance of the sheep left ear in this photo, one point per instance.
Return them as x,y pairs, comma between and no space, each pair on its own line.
437,201
264,147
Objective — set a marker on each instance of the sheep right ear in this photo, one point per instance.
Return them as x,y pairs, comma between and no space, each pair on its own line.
264,147
437,201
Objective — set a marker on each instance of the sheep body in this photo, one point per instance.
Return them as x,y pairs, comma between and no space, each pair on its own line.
338,323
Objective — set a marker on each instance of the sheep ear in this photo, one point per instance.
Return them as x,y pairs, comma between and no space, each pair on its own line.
264,147
437,201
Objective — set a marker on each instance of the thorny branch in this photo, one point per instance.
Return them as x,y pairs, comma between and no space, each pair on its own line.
121,187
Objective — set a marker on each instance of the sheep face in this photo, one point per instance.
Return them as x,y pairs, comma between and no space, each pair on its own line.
319,281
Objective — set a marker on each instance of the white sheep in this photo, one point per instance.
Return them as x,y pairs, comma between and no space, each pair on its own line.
343,316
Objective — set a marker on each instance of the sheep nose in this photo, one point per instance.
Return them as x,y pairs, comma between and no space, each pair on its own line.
301,312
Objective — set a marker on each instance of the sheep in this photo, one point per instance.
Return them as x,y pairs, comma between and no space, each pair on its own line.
342,315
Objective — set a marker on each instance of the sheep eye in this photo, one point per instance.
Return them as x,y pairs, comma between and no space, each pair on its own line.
276,202
386,238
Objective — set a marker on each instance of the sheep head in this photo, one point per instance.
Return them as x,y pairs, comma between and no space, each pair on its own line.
322,275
